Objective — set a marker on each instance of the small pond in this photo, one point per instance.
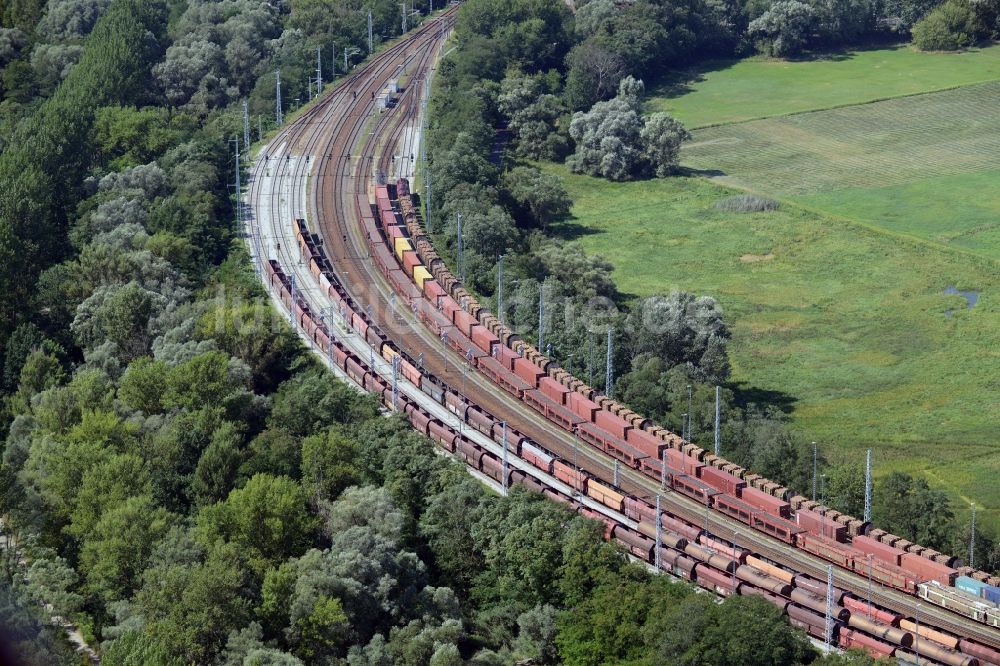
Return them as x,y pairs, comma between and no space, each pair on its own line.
971,297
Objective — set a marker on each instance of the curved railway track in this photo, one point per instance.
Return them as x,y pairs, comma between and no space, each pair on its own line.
326,158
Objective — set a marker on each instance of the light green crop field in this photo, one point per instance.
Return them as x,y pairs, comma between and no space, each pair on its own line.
924,165
849,320
731,91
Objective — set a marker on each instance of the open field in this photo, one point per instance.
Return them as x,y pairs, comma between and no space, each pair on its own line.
923,165
846,319
731,91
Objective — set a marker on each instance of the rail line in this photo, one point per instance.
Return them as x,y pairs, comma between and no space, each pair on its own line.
320,175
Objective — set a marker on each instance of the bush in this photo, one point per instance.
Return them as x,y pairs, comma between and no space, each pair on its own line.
747,203
949,27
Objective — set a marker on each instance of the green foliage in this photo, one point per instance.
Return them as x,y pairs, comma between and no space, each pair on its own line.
328,464
539,195
783,29
115,554
948,27
309,403
741,630
907,506
267,519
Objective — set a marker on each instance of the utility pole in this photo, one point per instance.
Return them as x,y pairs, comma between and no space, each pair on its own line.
461,260
617,475
829,607
868,486
369,32
395,383
239,204
505,463
916,633
541,315
659,537
403,5
319,69
609,371
814,471
277,98
690,434
246,125
291,291
260,128
500,289
717,417
333,61
972,538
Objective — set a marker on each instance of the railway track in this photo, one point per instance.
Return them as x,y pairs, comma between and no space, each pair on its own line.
326,158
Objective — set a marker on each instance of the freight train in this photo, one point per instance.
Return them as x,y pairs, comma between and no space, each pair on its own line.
686,550
421,277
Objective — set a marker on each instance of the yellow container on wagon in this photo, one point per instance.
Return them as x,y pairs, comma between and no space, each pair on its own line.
402,245
421,275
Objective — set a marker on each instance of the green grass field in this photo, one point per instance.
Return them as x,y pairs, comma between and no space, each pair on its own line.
886,162
731,91
846,319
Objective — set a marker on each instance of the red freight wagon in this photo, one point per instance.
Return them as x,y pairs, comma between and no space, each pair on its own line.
614,425
484,339
828,549
418,419
403,286
370,228
492,467
449,306
433,291
382,200
410,260
676,563
677,461
645,442
536,456
848,638
469,451
442,434
765,502
924,569
618,448
582,406
527,371
436,321
552,389
463,345
816,523
388,219
464,321
690,532
569,476
880,551
859,607
505,355
637,544
502,377
710,579
779,528
394,231
692,487
383,258
721,481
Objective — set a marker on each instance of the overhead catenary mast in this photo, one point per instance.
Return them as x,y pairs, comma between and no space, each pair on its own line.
278,119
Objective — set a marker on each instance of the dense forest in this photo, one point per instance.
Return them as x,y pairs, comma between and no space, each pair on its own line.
185,483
